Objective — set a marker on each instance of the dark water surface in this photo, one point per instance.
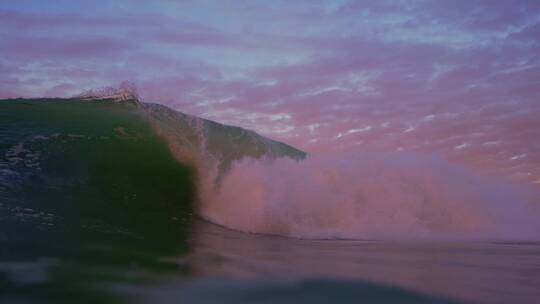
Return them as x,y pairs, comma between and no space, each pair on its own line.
462,272
94,208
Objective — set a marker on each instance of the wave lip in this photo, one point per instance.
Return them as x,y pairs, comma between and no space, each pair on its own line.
125,92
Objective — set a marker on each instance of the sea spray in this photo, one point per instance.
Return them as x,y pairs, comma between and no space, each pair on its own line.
370,196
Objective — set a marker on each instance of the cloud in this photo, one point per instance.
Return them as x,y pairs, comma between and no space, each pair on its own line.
13,20
306,72
43,48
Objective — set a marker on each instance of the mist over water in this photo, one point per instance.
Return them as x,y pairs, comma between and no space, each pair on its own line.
366,195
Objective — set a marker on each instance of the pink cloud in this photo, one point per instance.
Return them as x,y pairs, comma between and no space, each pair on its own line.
33,48
454,77
27,21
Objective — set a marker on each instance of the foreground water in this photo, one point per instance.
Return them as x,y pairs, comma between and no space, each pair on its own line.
224,266
466,272
95,207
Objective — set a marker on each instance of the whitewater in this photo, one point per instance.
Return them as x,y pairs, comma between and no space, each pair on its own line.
368,196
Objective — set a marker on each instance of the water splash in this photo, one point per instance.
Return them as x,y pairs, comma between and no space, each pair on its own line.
369,196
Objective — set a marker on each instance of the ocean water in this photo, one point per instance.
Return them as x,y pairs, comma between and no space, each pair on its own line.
107,202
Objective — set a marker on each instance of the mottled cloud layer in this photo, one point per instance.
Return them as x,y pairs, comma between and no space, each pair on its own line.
458,78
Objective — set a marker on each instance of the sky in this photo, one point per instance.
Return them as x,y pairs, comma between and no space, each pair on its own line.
457,78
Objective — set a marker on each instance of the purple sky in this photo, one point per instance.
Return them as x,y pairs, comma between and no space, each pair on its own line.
459,78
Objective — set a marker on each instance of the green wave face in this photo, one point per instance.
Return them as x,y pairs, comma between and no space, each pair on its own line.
86,186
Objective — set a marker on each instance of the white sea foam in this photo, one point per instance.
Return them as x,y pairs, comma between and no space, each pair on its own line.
368,196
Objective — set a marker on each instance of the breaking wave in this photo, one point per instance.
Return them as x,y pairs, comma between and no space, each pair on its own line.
247,182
